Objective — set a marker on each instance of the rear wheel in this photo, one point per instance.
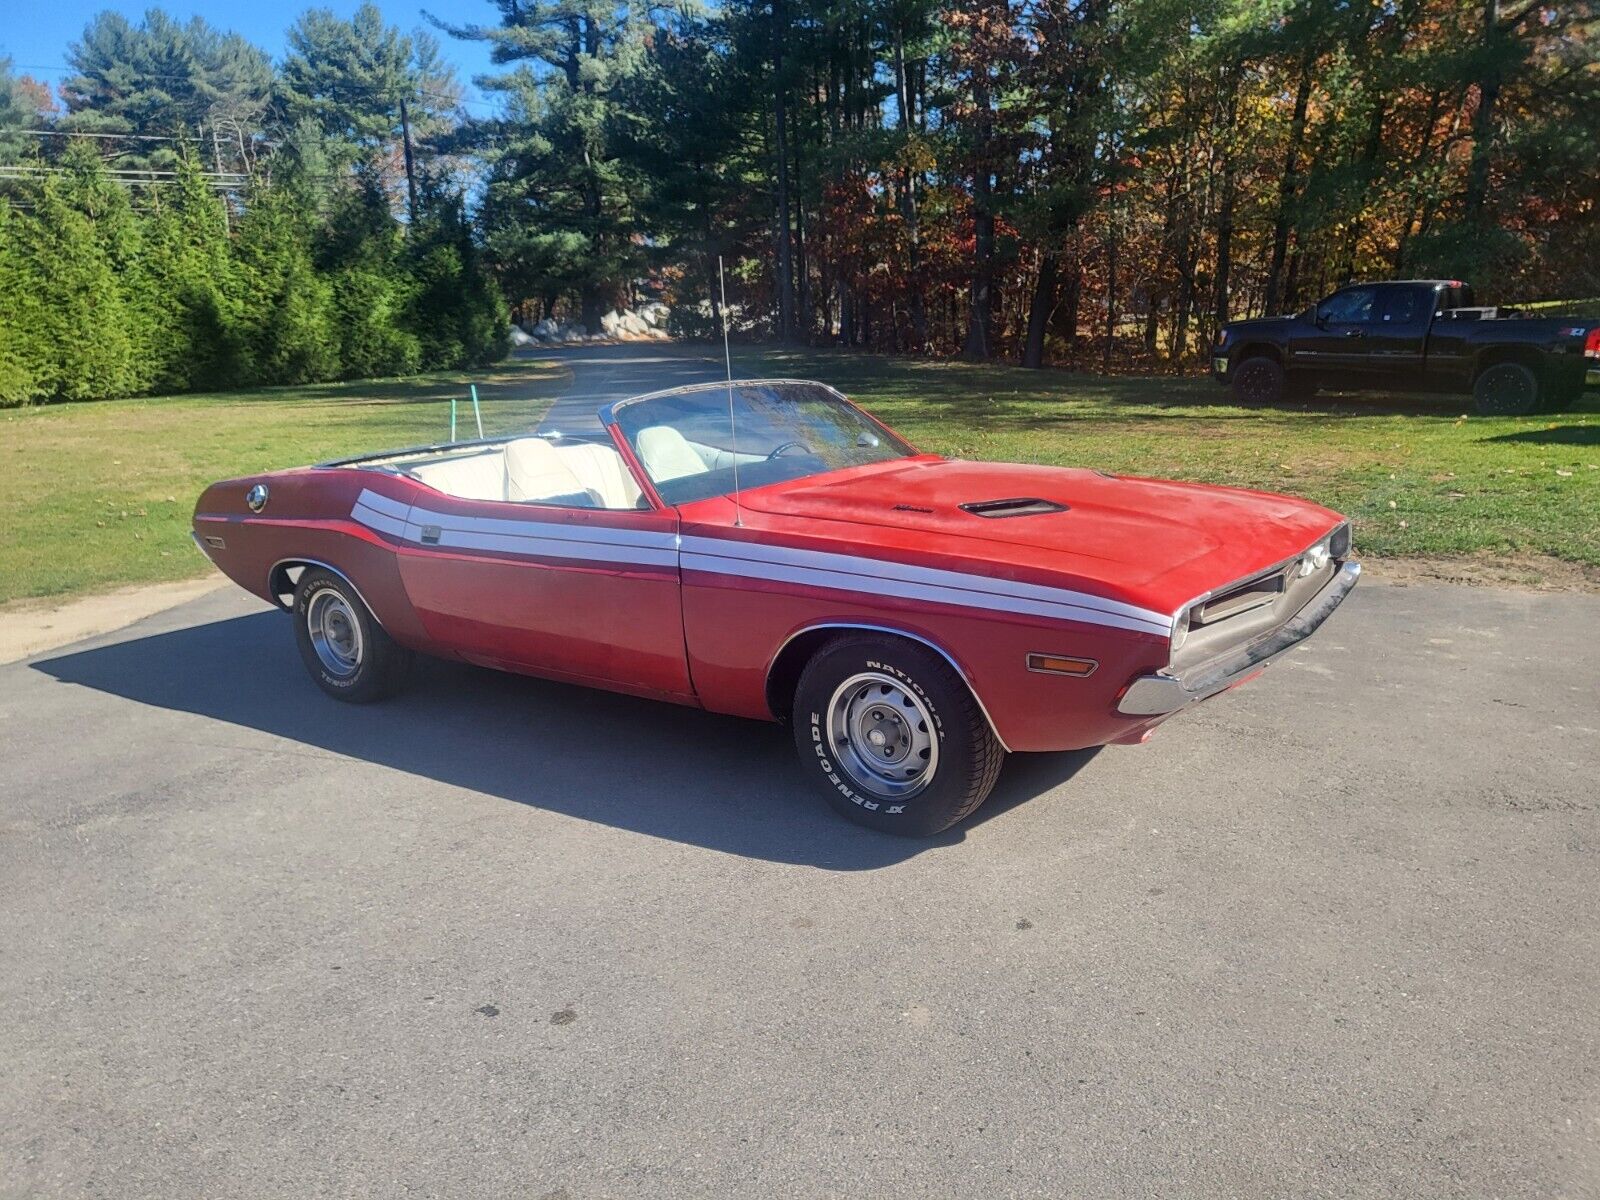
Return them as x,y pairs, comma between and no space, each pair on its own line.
1506,389
342,645
893,735
1258,381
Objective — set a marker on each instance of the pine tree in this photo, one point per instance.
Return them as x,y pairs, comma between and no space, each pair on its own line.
165,79
559,195
347,79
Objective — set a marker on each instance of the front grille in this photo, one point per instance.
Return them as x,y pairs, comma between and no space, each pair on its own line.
1255,593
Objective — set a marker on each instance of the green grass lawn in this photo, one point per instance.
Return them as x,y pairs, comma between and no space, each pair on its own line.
1418,476
95,496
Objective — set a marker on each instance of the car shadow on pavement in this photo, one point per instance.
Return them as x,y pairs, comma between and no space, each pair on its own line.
677,773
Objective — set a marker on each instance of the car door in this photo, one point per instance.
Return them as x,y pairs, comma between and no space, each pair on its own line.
1396,340
582,593
1337,339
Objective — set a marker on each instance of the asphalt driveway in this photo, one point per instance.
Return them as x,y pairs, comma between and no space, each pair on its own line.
1333,934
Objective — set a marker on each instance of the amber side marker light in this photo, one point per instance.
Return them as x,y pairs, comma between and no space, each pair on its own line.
1060,664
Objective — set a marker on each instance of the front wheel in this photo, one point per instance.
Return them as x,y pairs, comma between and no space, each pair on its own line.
893,735
343,647
1258,381
1506,390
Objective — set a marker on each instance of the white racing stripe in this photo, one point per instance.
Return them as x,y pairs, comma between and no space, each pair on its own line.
808,568
878,569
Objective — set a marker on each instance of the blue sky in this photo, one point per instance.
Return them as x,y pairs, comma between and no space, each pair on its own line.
35,33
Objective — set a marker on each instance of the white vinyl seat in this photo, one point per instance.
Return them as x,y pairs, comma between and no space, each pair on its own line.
535,470
600,469
667,454
471,476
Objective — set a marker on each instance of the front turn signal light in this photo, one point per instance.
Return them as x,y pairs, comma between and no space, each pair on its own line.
1061,664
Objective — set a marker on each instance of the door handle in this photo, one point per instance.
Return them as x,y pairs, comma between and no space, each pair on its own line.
1354,333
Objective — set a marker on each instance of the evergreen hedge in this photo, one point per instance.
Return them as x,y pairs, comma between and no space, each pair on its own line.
102,299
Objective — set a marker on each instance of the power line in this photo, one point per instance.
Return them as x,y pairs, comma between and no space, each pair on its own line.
116,137
332,90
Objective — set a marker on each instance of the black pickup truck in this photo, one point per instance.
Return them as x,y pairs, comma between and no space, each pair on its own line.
1413,335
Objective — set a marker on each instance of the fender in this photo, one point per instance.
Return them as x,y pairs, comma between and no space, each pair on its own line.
912,637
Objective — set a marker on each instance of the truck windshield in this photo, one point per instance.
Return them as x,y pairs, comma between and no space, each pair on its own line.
778,431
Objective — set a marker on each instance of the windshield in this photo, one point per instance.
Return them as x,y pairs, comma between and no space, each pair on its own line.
779,431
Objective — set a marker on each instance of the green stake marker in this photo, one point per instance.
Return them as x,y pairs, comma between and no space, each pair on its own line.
452,418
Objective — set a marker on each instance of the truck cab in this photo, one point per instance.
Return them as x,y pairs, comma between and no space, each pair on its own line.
1411,335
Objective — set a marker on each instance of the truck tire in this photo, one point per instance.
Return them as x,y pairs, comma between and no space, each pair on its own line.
893,735
1506,389
1258,381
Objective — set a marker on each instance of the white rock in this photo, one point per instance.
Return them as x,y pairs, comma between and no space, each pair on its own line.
545,329
521,337
611,322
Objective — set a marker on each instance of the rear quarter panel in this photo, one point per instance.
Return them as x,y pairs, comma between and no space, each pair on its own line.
307,517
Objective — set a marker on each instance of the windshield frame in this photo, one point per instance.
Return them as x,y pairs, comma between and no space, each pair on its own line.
608,418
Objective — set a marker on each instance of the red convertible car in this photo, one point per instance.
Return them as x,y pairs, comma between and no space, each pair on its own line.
767,549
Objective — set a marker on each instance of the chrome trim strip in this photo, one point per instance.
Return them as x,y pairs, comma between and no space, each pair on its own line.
202,547
297,561
1164,692
608,412
914,637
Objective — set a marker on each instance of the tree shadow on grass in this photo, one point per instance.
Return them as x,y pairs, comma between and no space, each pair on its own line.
504,381
1561,435
657,769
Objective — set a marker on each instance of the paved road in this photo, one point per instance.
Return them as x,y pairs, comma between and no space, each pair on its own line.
605,373
1333,934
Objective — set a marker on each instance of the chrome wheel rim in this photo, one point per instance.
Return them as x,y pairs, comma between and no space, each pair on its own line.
335,632
882,735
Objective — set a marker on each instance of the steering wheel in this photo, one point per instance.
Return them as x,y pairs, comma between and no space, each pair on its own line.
785,446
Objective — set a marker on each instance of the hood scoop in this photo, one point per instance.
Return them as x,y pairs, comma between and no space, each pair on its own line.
1017,506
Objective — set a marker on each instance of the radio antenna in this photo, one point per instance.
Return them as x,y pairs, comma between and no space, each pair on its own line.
727,357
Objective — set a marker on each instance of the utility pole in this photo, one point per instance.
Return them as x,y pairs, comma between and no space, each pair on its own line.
411,176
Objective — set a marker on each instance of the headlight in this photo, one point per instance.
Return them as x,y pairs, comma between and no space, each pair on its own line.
1315,559
1339,541
1180,628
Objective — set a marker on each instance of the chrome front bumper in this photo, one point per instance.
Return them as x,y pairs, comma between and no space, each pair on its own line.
1163,692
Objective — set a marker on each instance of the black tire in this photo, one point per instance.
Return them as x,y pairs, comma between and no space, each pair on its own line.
914,700
1506,389
1258,381
358,662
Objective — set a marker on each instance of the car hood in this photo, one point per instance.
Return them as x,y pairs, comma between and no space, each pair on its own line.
1152,542
1260,324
